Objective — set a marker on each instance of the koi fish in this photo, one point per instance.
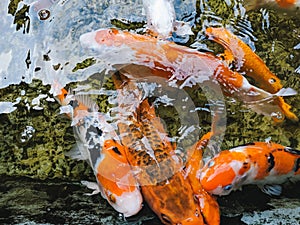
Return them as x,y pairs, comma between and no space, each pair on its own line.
261,163
100,146
250,63
152,156
160,16
161,19
151,57
283,4
208,204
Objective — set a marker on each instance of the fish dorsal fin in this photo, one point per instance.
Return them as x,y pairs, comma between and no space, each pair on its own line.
292,150
286,92
271,189
87,101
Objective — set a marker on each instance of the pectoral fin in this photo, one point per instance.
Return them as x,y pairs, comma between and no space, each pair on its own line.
272,190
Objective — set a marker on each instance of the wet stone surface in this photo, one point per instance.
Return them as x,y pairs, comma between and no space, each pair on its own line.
29,201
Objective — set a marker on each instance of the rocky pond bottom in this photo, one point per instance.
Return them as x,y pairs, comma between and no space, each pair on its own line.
29,201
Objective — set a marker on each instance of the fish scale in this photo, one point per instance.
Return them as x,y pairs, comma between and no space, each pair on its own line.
156,166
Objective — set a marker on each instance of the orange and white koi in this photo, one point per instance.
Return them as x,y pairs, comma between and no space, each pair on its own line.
149,57
283,4
261,163
99,144
151,155
250,63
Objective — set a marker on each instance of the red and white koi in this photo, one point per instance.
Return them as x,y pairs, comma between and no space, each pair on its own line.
150,57
99,144
261,163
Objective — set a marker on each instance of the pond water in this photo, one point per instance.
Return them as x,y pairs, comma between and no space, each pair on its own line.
40,52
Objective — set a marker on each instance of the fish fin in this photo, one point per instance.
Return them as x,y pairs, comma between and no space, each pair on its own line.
66,109
87,101
268,140
286,92
271,189
292,150
75,153
182,28
91,185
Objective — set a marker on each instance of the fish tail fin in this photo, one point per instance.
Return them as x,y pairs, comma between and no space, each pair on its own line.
286,92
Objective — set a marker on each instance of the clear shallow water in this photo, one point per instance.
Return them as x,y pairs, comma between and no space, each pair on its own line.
55,51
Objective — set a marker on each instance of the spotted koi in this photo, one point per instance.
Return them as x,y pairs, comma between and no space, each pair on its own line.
262,163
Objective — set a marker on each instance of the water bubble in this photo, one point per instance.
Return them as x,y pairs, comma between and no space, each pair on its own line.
277,115
44,14
26,134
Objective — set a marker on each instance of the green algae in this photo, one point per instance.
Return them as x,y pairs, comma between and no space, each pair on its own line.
42,156
13,6
21,18
126,24
84,64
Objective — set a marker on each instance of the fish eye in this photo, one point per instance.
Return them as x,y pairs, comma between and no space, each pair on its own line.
112,198
211,164
227,187
196,199
272,80
165,219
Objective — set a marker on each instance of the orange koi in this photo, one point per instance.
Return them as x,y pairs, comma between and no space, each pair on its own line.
287,3
261,163
100,146
208,204
150,57
250,63
283,4
151,155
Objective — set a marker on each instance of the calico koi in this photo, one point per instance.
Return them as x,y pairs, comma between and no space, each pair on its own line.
261,163
100,146
152,57
250,63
